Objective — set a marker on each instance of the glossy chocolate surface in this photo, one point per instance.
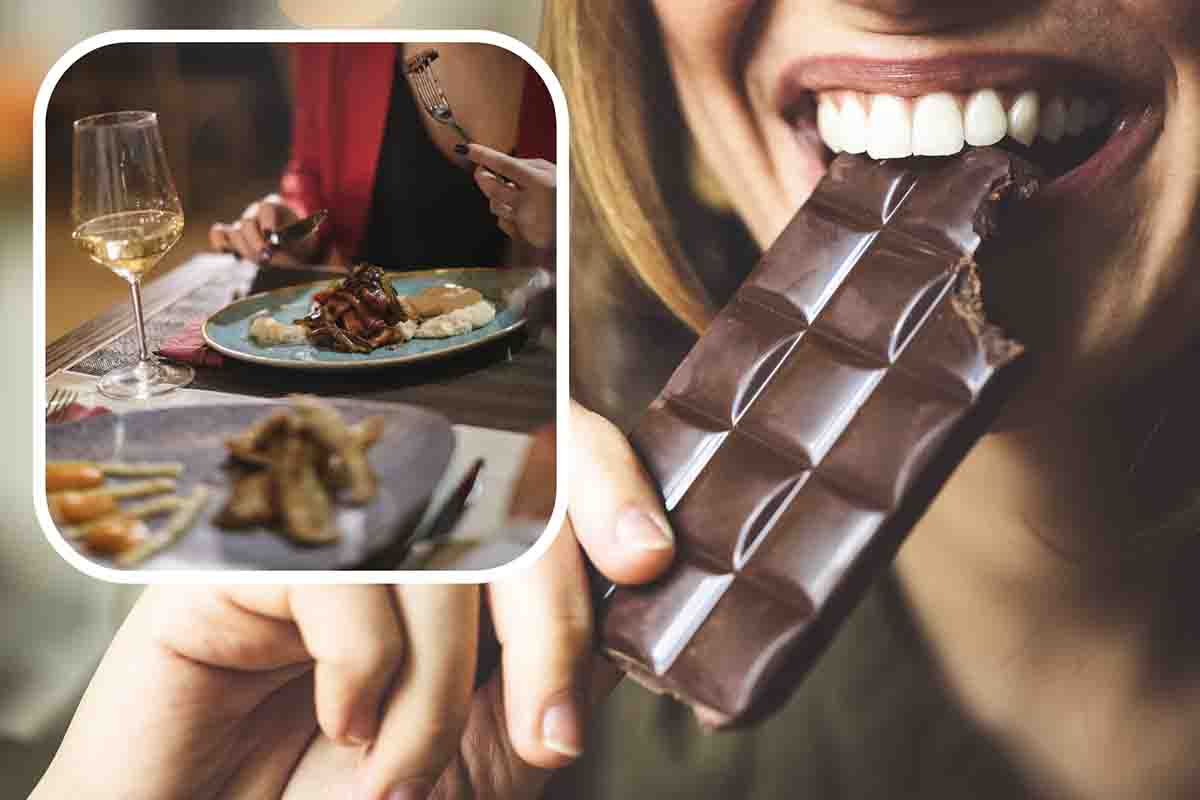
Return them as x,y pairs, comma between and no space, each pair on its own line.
811,425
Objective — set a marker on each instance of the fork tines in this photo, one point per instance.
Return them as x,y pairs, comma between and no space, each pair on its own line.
60,400
420,71
420,61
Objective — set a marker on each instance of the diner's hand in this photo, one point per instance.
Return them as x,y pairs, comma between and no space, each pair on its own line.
246,237
262,691
527,210
619,521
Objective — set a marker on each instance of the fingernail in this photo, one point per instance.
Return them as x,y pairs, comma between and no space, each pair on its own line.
636,528
562,730
264,255
461,149
412,790
361,730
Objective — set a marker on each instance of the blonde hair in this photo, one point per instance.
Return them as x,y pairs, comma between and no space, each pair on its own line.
609,58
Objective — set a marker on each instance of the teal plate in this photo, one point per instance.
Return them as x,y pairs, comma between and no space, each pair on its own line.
228,330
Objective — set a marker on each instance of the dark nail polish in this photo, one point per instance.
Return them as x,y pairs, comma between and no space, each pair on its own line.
264,255
461,149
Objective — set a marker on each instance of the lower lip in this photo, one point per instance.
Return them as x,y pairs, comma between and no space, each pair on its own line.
1135,133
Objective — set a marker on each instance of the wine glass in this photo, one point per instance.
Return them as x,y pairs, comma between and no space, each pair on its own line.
127,215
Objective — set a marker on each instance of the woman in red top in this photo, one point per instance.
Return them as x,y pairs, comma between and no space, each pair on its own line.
397,184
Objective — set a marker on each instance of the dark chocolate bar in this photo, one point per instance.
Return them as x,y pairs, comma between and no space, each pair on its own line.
812,424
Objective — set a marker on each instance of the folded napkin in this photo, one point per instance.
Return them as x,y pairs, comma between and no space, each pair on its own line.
76,411
188,347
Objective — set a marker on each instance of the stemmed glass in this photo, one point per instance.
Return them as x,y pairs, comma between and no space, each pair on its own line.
127,215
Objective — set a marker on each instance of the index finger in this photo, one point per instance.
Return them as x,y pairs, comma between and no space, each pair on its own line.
252,228
619,520
513,168
430,698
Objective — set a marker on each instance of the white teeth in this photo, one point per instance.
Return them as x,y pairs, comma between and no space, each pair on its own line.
829,124
853,125
1023,118
889,129
937,125
1054,123
1076,116
941,123
984,121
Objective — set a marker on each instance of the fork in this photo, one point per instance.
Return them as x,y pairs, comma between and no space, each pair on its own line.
60,400
419,69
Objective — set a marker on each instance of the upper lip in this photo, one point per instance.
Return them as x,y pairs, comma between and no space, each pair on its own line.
952,73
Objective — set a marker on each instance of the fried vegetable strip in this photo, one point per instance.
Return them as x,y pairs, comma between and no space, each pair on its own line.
135,489
120,469
150,508
172,530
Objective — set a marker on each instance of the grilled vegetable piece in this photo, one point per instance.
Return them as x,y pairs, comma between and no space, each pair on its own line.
252,445
328,429
179,523
304,502
251,502
66,475
366,433
72,508
113,535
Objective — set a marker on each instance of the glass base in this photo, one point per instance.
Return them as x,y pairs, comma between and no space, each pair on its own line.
144,379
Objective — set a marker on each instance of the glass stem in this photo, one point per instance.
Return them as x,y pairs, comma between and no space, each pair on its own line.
143,349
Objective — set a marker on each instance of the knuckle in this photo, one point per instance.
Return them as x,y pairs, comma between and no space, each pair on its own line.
376,655
572,627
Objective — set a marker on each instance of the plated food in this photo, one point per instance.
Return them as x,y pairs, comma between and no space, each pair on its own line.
298,485
355,325
363,312
88,509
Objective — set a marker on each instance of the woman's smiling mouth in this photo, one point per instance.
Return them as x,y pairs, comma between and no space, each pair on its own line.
1078,126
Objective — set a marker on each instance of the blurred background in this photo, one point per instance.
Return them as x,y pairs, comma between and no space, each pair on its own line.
54,622
224,114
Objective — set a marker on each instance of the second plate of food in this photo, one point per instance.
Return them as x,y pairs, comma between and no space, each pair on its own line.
305,484
372,318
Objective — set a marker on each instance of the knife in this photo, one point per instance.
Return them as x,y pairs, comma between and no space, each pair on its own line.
290,234
453,507
439,525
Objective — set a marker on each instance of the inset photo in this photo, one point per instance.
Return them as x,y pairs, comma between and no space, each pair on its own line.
299,304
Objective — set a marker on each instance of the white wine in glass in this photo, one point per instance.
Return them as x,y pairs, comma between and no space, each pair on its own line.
127,216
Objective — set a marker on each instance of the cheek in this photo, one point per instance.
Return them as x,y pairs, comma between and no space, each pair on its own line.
1175,21
702,32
